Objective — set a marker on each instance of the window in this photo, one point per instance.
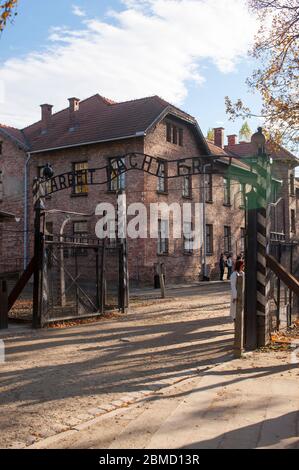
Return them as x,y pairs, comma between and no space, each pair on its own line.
209,239
187,186
168,132
119,179
80,230
293,221
174,134
208,188
81,186
243,234
188,239
274,193
227,239
226,185
162,175
242,196
162,237
292,185
181,137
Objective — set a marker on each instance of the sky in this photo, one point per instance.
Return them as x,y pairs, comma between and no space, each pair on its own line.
190,52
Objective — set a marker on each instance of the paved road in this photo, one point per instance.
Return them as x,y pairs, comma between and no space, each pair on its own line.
248,403
54,380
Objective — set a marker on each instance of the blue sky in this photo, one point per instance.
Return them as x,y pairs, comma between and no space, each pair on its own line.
191,52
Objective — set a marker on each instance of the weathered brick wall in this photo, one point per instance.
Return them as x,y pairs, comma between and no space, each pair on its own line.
12,163
178,264
96,156
282,170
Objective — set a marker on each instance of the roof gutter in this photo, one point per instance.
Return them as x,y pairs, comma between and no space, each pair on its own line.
51,149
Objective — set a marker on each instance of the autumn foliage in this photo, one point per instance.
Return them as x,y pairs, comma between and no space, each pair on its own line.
276,78
7,12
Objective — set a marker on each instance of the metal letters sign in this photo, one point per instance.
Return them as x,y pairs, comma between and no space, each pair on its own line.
119,165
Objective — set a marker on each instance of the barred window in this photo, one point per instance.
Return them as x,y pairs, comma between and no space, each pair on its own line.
187,186
227,239
117,178
209,239
188,239
162,237
162,175
174,134
80,168
208,188
226,186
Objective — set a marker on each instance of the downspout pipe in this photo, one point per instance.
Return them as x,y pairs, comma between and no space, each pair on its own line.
26,212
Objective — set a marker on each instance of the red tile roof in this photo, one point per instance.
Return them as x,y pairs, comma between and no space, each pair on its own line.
15,134
98,119
245,149
215,150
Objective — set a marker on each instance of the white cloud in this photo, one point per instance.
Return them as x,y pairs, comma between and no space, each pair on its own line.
150,47
78,11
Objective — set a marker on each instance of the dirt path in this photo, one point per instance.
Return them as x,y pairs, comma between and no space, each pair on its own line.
56,379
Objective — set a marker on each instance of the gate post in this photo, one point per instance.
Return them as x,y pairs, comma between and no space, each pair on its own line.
38,255
239,320
123,252
263,238
3,305
250,320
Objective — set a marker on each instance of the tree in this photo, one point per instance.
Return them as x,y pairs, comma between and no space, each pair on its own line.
7,12
210,135
245,132
276,49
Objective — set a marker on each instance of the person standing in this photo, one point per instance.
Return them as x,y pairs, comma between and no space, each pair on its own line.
239,271
221,266
229,263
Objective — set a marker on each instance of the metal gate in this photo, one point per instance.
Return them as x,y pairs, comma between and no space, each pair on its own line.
74,278
283,303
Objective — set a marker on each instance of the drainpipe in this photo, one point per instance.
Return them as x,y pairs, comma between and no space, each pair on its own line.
205,277
26,238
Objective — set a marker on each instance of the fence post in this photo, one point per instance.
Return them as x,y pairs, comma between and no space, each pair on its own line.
239,321
162,281
3,305
38,255
250,321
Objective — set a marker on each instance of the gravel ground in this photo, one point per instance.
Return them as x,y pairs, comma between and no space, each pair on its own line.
55,379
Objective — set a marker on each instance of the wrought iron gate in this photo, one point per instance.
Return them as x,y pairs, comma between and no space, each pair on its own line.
73,278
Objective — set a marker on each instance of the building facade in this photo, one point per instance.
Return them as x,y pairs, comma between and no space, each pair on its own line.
85,136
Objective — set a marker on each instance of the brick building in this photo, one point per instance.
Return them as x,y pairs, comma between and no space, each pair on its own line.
284,215
86,135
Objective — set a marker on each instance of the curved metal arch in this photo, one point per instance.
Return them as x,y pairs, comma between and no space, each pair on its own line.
122,164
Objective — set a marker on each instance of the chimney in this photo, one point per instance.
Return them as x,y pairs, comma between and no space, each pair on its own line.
73,107
232,140
219,137
46,116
